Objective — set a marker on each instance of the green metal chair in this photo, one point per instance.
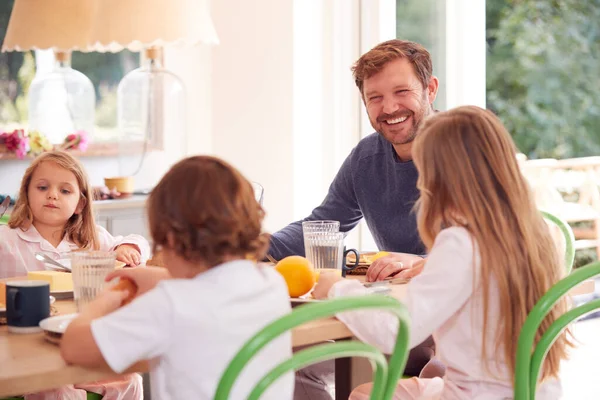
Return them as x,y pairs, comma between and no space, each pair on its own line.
386,375
566,230
529,364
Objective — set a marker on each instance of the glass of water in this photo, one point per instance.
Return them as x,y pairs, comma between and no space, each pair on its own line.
320,226
325,250
89,268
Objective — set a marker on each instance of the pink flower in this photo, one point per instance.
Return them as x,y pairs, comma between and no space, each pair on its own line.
84,140
77,141
16,141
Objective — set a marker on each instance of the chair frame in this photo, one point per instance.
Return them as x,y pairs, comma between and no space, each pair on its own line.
385,379
567,231
528,363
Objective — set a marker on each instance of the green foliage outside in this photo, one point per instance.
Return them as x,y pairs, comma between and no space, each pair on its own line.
543,74
543,68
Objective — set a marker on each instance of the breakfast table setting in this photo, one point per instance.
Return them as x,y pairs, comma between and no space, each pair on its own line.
30,359
32,362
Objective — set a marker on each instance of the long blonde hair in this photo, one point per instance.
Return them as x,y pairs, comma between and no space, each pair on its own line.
80,228
468,176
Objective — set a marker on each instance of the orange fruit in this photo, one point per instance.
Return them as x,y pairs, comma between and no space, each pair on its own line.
298,273
128,286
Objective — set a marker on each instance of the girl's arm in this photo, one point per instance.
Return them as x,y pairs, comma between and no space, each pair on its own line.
432,298
109,242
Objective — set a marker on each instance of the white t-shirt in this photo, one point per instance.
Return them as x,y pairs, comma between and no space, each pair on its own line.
190,329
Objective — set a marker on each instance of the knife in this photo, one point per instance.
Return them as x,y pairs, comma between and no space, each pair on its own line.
4,205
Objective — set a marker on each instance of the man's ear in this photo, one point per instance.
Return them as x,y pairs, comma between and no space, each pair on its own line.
432,89
80,205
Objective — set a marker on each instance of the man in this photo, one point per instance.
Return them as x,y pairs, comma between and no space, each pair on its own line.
378,180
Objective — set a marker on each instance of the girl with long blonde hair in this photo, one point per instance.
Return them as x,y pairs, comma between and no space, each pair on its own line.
491,258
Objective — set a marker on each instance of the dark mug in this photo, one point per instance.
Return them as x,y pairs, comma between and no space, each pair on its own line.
27,303
349,268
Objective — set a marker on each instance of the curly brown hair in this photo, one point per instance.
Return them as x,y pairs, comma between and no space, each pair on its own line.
375,59
205,210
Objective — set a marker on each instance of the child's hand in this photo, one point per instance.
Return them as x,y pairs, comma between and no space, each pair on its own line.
326,281
129,254
105,303
145,278
391,265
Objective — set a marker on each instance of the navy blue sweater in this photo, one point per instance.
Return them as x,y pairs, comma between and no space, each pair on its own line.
372,183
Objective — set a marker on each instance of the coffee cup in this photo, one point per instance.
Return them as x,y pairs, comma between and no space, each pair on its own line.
27,303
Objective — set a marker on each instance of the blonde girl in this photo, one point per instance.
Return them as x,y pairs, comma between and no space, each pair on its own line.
491,258
53,214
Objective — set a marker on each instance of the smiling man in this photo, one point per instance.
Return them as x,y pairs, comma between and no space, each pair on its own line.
378,180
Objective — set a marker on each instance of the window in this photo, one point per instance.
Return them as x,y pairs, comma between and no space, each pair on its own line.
17,70
542,74
105,70
424,22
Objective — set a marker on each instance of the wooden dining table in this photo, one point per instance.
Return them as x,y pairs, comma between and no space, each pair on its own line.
29,363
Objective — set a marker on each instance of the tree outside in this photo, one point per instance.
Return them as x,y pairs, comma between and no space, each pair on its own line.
543,75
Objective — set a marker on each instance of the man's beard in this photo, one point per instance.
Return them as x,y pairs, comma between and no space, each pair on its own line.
416,119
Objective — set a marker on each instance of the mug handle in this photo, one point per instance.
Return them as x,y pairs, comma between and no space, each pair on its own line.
12,293
350,268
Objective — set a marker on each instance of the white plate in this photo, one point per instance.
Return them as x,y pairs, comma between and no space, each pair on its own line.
54,327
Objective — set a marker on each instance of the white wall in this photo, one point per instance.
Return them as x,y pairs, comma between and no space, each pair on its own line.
252,85
283,103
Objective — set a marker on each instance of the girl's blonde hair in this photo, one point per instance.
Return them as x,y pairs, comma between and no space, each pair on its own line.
469,176
80,228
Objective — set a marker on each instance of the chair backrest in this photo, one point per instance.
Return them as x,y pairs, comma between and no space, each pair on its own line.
567,232
528,364
385,376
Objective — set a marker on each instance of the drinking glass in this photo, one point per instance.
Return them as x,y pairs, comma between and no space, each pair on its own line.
89,268
325,250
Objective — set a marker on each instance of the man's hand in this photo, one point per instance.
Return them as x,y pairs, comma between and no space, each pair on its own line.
410,273
391,265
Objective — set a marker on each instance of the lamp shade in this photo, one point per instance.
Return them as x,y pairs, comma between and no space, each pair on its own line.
61,25
138,24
